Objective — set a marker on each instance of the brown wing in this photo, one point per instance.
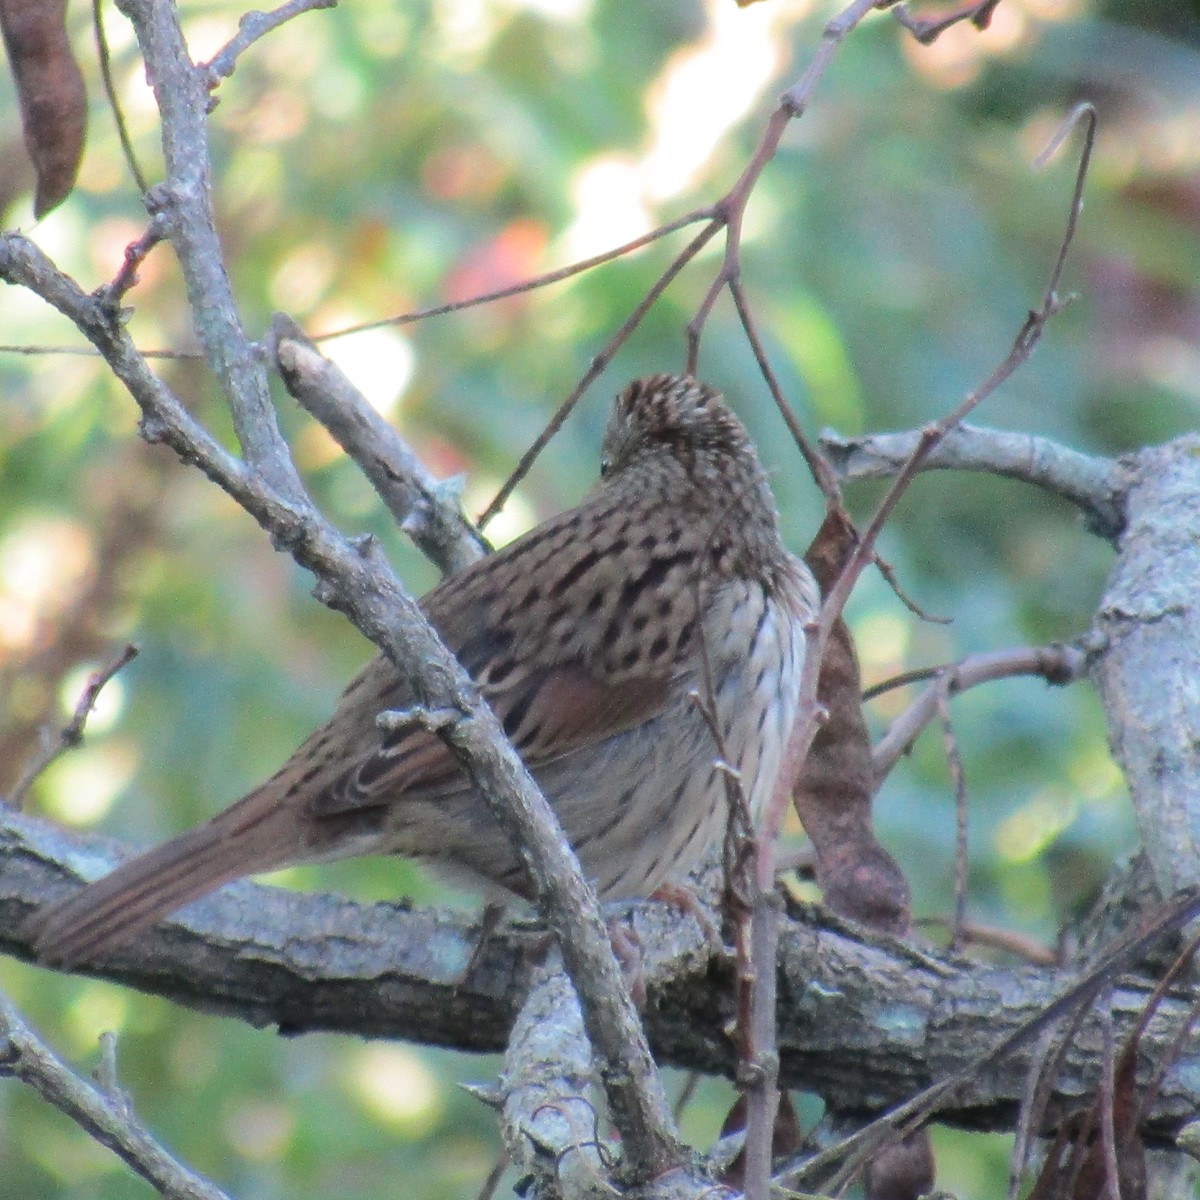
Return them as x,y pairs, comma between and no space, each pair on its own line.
553,630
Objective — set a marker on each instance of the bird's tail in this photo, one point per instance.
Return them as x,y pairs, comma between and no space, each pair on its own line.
252,836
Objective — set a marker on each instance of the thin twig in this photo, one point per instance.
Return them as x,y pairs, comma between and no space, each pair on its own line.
112,293
959,779
1107,1097
906,679
690,1084
492,1181
975,934
928,29
1181,965
1058,664
104,1114
71,734
251,27
33,351
421,314
1029,335
886,569
594,371
731,208
816,461
114,102
526,285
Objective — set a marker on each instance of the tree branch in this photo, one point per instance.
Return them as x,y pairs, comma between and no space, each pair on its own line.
1058,664
1095,485
252,26
419,502
1148,624
184,204
103,1112
866,1020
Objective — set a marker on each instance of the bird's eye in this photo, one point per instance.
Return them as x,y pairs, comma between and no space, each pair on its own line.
605,466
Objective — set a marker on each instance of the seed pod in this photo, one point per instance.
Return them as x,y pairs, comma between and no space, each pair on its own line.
51,94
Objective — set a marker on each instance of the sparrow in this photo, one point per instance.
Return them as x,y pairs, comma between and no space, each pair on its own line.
634,649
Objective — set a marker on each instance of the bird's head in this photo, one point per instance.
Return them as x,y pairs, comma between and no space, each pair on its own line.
678,415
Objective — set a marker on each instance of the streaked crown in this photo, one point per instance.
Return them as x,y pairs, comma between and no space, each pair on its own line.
676,413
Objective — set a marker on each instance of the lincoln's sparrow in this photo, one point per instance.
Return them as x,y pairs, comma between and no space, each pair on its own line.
590,638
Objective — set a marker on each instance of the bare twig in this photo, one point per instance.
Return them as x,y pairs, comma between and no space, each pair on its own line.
488,1188
420,503
1182,964
1107,1099
928,29
959,779
251,27
1058,664
104,1114
114,103
886,569
731,208
599,362
422,314
972,933
905,679
814,459
690,1084
526,285
71,734
33,351
112,293
1024,344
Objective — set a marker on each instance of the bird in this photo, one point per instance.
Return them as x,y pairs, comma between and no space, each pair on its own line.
639,650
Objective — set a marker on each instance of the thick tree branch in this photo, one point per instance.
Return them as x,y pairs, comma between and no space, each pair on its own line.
865,1020
550,1121
1147,669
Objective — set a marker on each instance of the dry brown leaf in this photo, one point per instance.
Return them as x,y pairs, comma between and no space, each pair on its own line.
51,94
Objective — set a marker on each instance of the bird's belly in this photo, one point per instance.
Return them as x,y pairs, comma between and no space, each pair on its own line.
645,806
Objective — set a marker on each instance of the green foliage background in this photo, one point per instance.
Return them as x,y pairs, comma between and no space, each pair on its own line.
383,156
